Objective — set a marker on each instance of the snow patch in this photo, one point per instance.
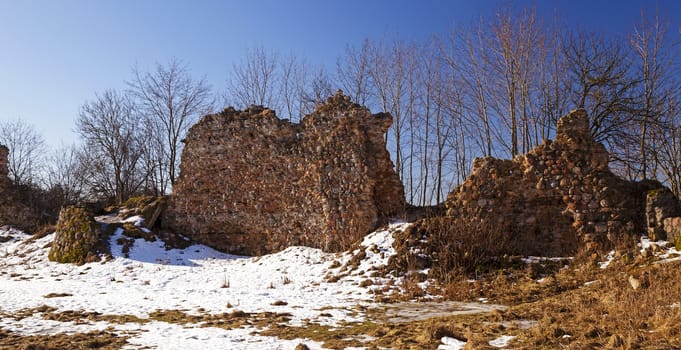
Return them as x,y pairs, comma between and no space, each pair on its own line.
451,344
608,260
502,341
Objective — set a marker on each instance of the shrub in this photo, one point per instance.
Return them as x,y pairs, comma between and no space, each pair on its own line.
452,247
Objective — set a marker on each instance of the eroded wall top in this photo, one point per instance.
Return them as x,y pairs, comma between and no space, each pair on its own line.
561,195
251,183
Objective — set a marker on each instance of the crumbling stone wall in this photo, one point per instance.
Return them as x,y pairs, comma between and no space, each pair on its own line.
561,195
13,211
663,215
251,183
4,167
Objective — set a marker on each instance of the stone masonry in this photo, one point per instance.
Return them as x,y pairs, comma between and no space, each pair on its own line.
561,196
251,183
76,237
4,169
13,210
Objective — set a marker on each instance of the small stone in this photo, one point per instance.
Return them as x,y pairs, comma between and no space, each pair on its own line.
615,341
634,282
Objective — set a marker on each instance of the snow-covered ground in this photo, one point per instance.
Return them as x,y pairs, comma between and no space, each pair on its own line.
194,280
304,284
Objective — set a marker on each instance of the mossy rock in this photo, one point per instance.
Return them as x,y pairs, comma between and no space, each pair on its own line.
148,207
133,231
152,211
76,237
138,202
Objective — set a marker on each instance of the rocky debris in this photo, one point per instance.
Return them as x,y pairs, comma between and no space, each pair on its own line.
138,218
634,282
148,208
251,183
562,196
76,237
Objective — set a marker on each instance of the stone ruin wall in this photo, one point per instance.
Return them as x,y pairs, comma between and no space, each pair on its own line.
13,211
561,195
4,167
251,183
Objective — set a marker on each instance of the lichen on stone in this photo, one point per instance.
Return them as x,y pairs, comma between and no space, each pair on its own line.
76,237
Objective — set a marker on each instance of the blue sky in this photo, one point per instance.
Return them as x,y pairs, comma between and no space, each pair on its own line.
55,54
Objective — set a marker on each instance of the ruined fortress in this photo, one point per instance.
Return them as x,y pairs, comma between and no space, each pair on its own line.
13,211
4,168
251,183
561,196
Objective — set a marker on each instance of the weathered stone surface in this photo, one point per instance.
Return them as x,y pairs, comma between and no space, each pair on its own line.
672,228
76,236
561,195
661,205
4,169
148,207
251,183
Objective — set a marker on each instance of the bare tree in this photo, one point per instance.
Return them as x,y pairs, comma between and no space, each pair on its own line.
654,66
668,145
516,47
464,59
599,70
254,80
318,90
353,73
26,150
294,82
155,157
65,175
171,101
553,89
107,126
388,71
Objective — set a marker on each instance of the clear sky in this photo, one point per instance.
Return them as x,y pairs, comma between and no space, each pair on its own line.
55,54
